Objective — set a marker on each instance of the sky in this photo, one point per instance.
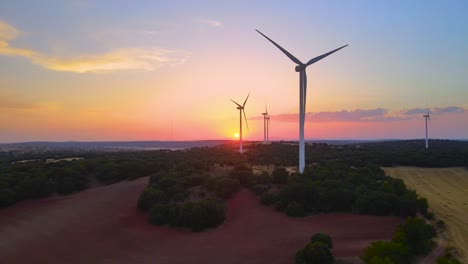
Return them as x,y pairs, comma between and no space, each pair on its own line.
165,70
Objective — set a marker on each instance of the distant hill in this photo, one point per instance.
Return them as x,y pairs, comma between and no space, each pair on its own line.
137,145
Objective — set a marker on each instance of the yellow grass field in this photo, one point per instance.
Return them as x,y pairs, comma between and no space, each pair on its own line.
447,192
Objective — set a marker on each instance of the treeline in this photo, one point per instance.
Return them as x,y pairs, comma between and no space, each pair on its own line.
442,153
336,186
37,179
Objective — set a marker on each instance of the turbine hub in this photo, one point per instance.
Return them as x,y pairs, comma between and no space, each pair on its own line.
300,67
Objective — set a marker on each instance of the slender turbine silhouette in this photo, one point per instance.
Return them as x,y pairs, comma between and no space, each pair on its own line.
265,125
241,110
301,68
427,117
268,129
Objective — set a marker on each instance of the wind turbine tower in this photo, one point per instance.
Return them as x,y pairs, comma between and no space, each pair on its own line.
266,119
268,129
241,110
301,68
427,117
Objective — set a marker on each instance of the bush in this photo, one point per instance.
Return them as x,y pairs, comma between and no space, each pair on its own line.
388,251
159,214
226,187
416,235
448,258
314,253
263,178
295,209
7,197
440,224
209,212
280,175
268,198
324,238
151,195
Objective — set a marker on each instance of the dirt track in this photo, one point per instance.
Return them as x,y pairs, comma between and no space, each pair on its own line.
447,192
102,225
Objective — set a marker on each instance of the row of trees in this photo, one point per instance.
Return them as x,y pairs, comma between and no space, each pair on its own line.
36,179
336,186
442,153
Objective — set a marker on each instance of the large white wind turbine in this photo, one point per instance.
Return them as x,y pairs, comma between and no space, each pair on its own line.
301,68
241,110
427,117
265,125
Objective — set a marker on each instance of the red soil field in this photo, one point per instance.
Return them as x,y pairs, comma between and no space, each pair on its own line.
102,225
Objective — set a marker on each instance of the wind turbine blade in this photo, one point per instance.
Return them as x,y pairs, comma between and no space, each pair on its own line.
294,59
245,118
266,109
235,102
246,100
314,60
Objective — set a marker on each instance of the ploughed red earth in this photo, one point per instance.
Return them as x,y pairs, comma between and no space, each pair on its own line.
103,225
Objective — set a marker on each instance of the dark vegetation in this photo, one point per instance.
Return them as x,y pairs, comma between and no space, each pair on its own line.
413,238
448,257
188,187
317,251
442,153
37,179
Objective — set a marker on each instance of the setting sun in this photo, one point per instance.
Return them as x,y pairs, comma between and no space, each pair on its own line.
236,135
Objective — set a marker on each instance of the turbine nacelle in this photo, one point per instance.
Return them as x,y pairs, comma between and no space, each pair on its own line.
300,67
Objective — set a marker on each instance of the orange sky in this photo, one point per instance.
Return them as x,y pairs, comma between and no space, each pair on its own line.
157,71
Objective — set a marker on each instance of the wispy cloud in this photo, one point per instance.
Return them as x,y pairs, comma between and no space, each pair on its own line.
14,103
140,58
360,115
211,22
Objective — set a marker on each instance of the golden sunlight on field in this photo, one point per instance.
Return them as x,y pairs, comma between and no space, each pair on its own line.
447,192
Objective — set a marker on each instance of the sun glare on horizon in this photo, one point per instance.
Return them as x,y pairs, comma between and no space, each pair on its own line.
236,135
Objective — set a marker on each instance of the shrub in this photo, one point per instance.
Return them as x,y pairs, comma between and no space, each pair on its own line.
263,178
295,209
159,214
416,235
226,187
314,253
268,198
386,250
280,175
448,258
151,195
7,197
324,238
440,224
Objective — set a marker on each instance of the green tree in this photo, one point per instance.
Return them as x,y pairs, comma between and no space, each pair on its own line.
280,175
393,251
322,237
151,195
314,253
295,209
417,235
7,197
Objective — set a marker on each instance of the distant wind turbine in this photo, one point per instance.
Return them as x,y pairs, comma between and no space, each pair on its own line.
301,68
427,117
241,110
266,124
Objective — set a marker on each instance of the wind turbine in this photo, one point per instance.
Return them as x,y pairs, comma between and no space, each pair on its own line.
301,68
265,125
268,129
241,110
427,117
